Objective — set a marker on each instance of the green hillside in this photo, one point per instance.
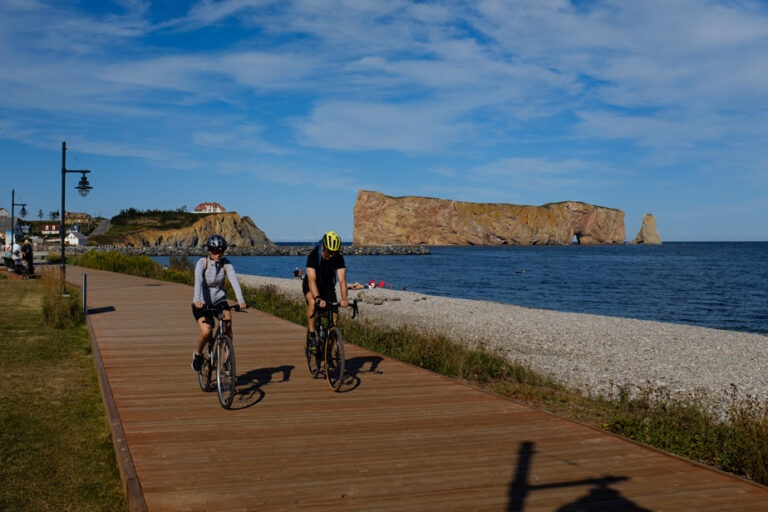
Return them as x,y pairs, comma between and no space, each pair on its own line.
132,220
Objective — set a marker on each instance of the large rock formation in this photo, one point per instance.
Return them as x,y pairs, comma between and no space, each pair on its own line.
410,220
239,232
648,233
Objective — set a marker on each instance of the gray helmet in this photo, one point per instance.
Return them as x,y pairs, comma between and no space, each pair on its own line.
216,242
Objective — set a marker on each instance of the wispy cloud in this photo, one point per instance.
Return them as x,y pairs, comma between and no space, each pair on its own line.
369,126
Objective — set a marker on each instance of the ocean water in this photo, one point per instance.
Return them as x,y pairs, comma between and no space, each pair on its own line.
723,285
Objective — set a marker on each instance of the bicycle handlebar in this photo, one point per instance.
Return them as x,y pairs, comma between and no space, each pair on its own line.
334,306
219,309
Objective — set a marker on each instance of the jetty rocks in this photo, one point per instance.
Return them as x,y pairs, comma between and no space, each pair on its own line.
264,250
411,220
239,232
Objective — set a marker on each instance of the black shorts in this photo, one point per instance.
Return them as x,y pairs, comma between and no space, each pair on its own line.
327,293
199,313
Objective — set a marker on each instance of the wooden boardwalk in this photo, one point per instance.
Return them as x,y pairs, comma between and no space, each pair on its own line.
398,438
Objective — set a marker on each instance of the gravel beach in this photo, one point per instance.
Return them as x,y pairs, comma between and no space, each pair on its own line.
590,352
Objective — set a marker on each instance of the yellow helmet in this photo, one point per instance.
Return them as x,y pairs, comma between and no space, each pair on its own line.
332,241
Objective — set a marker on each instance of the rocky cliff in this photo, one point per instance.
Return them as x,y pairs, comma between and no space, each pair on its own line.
648,233
238,231
381,219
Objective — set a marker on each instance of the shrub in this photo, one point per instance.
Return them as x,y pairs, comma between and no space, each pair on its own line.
113,261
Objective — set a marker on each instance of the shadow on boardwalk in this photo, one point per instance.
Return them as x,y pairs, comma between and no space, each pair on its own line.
355,366
600,497
249,384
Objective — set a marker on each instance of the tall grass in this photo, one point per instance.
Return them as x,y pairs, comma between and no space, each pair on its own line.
59,311
734,440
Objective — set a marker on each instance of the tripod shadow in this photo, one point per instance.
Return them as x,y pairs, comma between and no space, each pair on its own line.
249,385
600,497
354,367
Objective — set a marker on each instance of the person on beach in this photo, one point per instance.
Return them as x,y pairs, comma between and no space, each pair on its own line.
210,273
324,265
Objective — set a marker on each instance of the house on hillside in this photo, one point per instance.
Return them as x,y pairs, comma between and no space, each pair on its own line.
4,213
49,229
78,218
209,208
75,239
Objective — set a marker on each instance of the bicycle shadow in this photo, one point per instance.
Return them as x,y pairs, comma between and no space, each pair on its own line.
249,385
354,367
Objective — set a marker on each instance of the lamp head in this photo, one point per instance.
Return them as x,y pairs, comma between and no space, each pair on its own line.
83,187
23,212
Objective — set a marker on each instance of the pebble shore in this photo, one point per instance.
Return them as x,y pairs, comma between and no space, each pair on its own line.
592,353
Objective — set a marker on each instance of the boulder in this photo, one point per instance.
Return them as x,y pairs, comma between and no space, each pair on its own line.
411,220
648,233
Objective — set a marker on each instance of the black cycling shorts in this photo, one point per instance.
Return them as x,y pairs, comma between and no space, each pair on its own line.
208,315
328,294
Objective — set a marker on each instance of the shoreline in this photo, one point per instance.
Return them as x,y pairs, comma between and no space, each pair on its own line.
592,353
261,250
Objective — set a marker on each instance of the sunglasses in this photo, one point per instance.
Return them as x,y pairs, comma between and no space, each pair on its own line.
217,251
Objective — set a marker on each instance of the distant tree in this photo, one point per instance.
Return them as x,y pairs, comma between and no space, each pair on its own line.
182,209
54,214
40,214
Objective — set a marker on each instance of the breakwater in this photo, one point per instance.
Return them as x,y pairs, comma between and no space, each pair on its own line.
265,250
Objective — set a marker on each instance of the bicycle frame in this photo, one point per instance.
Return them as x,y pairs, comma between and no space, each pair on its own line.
330,350
219,343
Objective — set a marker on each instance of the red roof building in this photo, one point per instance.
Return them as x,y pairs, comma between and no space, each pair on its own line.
209,208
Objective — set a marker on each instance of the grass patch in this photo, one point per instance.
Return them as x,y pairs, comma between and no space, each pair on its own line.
734,441
55,444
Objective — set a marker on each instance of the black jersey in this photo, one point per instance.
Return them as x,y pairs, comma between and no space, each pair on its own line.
324,269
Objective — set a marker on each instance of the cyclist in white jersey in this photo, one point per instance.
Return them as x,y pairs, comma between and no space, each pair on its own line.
210,274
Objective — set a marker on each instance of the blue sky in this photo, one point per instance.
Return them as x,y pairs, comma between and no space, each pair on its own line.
283,110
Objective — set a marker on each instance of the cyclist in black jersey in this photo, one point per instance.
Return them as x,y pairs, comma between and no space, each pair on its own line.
324,265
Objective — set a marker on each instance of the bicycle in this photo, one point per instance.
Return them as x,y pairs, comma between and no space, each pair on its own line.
330,346
219,354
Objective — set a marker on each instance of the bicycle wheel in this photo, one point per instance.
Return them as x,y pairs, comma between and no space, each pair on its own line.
204,375
334,359
313,356
226,376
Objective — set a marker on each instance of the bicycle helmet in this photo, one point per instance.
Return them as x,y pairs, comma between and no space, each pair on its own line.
216,243
332,241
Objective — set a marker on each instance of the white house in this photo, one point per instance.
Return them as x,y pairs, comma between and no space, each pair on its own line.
209,208
75,239
4,213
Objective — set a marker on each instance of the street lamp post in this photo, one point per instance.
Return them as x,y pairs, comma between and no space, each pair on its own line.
83,187
22,212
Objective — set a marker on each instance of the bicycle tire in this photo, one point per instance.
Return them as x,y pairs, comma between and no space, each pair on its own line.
226,374
313,358
334,358
204,374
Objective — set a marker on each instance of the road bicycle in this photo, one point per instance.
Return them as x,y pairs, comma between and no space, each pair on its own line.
219,355
330,345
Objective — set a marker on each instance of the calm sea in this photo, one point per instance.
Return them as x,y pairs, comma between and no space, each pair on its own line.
713,284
